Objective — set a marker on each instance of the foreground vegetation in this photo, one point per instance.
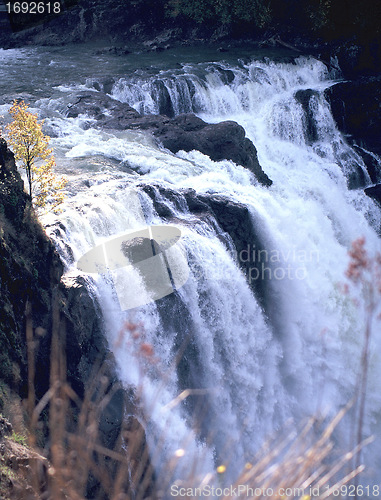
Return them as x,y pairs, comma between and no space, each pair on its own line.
67,458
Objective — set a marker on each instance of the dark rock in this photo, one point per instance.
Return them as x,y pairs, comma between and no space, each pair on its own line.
157,193
30,270
12,194
86,344
305,98
5,427
161,95
195,204
232,222
374,192
373,165
225,140
221,141
227,75
30,273
108,85
97,86
189,123
105,85
356,107
100,107
352,168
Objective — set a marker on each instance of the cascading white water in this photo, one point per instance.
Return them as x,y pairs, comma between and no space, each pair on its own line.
308,359
257,368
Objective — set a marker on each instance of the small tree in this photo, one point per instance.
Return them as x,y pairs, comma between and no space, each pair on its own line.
31,148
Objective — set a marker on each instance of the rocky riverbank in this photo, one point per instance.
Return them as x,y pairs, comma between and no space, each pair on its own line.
35,303
31,272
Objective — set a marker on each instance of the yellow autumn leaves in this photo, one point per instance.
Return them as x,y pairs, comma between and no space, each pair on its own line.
31,147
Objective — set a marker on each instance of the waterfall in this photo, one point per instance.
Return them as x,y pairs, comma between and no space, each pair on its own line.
258,359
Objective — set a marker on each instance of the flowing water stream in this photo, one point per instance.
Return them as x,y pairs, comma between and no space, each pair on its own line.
258,363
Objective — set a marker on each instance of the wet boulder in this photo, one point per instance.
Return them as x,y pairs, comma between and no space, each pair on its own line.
108,112
373,165
232,222
164,99
306,98
220,141
374,192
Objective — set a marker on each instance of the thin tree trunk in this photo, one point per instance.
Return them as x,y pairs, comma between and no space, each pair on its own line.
29,176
